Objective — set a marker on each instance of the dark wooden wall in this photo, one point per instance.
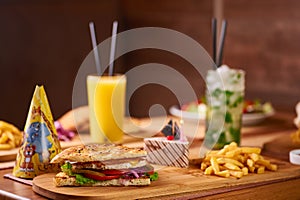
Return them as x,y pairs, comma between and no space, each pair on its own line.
44,42
193,18
264,40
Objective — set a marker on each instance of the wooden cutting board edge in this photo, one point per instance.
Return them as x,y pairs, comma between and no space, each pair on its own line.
280,147
8,155
169,186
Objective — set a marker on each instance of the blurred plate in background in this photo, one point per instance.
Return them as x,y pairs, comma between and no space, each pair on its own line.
248,118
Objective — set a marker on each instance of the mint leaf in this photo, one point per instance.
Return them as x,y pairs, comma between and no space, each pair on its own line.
239,100
217,92
228,117
228,94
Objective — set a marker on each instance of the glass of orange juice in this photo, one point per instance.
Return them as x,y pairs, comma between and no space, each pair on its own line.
106,98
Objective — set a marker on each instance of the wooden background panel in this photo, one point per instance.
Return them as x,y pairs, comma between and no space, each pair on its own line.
193,18
263,39
151,94
44,42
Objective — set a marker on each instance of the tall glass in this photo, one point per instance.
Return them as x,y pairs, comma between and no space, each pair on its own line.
225,100
106,97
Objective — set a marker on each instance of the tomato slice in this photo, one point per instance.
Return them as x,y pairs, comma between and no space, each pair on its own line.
101,178
109,174
150,172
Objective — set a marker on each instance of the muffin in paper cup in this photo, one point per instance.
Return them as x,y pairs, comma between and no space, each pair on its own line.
41,142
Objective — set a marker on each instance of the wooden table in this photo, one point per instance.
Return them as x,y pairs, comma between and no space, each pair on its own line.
279,125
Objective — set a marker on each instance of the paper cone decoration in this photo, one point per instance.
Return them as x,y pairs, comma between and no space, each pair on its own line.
41,143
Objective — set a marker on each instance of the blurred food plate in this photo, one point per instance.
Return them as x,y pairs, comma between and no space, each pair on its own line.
11,154
254,112
187,115
255,118
8,155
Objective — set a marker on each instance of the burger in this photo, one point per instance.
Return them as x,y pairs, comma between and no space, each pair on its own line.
103,165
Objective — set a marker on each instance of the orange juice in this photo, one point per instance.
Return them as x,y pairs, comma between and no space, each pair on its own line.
106,97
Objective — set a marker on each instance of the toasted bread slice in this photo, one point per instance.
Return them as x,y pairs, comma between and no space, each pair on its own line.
97,152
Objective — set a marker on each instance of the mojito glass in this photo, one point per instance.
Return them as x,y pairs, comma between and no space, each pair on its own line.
225,99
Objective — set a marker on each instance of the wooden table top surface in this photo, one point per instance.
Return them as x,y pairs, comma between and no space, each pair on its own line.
280,125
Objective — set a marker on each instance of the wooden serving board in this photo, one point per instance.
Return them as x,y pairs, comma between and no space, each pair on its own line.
280,147
172,182
8,155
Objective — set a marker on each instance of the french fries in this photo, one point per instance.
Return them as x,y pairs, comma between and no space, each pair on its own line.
10,136
296,137
235,161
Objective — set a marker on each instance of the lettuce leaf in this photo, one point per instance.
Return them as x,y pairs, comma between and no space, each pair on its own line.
82,180
154,176
67,168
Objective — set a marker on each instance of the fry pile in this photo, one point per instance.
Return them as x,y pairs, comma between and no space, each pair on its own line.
10,136
235,161
296,137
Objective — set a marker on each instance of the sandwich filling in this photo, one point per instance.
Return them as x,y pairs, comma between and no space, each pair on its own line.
112,164
93,172
103,165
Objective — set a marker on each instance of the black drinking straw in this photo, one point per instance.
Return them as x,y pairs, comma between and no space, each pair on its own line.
214,38
222,39
95,49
